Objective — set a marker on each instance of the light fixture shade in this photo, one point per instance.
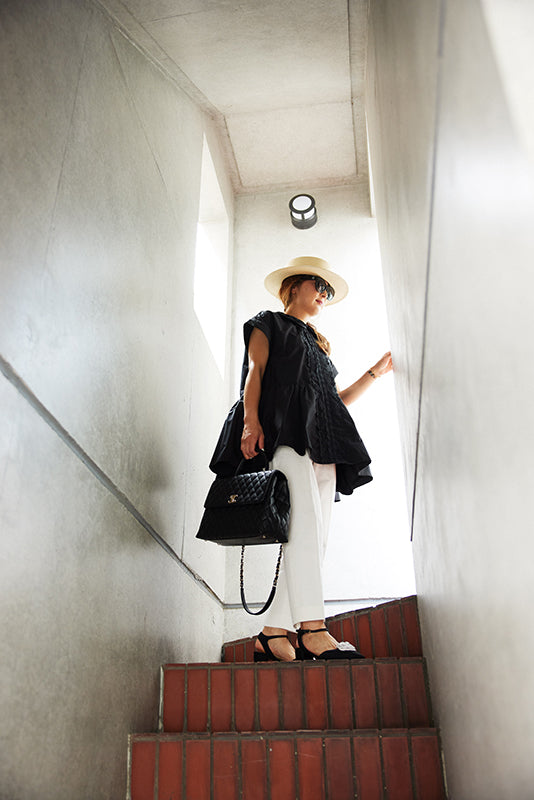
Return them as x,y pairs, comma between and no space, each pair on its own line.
302,211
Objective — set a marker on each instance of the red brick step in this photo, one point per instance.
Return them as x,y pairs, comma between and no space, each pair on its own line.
300,731
383,693
308,765
388,630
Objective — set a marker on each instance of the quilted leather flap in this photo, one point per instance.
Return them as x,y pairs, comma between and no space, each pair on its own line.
248,489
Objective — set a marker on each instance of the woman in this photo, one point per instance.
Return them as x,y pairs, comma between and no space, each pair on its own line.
292,409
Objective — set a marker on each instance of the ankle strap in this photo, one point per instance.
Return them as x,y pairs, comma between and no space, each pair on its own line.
312,630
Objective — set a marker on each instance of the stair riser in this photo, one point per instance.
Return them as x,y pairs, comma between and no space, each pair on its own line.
390,765
389,630
305,695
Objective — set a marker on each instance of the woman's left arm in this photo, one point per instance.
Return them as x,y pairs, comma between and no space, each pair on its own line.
356,389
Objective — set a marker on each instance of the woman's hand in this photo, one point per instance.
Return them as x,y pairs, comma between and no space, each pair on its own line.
252,439
355,390
383,366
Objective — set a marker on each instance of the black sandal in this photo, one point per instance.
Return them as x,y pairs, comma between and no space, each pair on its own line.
268,655
343,650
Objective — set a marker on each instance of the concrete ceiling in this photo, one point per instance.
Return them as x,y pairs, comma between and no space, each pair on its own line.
283,80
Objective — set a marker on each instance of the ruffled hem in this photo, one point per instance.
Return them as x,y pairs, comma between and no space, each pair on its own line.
352,462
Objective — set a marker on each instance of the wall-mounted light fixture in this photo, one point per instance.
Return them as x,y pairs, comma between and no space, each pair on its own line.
302,211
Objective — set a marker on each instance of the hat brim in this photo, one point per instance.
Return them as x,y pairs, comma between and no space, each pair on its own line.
274,279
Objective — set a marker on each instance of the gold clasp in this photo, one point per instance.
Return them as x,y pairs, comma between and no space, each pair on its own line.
233,498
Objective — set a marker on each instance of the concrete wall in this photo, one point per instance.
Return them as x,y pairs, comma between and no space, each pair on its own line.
101,160
369,553
401,133
455,179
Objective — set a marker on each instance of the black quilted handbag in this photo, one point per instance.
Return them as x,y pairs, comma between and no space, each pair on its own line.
248,508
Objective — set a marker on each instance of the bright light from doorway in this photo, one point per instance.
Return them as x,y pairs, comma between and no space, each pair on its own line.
211,262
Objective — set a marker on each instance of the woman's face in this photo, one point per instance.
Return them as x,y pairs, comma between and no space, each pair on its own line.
306,298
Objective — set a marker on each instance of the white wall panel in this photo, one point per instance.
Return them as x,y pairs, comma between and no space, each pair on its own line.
472,534
100,173
401,106
473,541
90,608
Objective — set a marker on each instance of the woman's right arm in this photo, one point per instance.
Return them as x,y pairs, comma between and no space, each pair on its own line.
252,439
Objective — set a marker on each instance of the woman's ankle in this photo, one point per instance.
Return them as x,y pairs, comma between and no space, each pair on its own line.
268,631
313,625
318,639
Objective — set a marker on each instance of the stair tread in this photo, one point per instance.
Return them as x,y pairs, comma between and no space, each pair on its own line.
283,664
314,733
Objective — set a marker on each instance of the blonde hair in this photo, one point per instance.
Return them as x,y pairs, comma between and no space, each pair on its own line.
285,292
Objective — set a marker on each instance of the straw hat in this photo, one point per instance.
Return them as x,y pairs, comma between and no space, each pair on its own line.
308,265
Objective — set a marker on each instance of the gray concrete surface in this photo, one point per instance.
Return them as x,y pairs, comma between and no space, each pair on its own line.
470,178
100,171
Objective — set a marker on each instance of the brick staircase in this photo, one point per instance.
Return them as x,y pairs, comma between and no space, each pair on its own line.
302,731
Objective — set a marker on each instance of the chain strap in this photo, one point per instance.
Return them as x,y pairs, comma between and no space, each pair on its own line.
242,583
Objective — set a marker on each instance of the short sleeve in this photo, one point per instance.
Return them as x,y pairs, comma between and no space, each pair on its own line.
264,321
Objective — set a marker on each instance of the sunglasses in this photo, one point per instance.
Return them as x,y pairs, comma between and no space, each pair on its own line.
321,286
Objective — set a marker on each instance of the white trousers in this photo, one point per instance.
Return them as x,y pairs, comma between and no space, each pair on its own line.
299,595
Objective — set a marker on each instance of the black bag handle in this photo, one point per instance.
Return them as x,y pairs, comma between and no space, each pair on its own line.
239,471
242,584
246,463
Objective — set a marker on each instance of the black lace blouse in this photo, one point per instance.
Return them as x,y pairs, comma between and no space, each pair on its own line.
299,405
